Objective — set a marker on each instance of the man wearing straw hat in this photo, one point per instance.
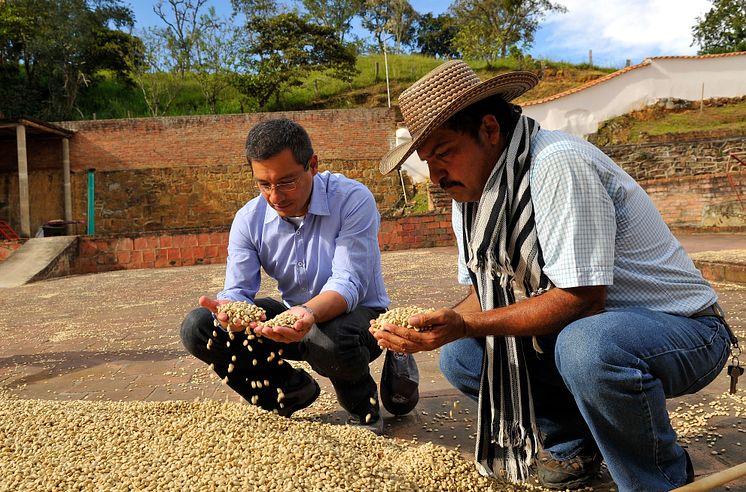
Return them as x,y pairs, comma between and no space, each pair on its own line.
616,320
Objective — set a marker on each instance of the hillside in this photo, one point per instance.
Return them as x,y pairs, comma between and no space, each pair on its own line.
676,120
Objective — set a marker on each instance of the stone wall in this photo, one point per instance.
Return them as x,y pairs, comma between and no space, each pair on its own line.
677,159
183,172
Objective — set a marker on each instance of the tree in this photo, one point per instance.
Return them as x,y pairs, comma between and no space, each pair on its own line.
53,49
334,14
183,29
216,53
435,36
286,51
488,29
153,75
723,28
394,17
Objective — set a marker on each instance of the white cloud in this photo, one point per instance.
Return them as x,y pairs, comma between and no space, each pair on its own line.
620,29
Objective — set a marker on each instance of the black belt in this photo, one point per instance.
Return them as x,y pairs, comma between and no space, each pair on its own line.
712,310
717,311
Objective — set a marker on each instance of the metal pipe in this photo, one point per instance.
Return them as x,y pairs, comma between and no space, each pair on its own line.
91,202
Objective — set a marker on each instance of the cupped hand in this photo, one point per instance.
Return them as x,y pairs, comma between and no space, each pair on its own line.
289,334
440,327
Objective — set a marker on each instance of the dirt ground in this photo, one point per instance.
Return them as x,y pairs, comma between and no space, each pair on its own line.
114,336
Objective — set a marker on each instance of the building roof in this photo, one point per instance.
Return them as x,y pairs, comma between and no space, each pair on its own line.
610,76
33,127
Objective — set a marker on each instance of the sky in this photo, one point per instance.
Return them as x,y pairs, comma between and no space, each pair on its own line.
613,30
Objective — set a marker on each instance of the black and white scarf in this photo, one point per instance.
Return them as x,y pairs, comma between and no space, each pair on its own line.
502,247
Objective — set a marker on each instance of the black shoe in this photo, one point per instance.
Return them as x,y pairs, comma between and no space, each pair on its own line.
299,396
375,426
567,474
689,468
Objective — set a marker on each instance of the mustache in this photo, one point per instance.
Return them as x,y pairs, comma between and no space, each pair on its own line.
445,184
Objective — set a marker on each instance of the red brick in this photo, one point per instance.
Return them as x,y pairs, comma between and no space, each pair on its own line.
211,252
140,243
173,253
165,241
123,244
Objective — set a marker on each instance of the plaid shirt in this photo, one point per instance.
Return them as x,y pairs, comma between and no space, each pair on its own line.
597,226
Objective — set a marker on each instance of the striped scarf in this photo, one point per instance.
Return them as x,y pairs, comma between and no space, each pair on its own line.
502,247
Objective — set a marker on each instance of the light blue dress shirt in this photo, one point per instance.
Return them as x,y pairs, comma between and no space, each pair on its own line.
334,249
597,226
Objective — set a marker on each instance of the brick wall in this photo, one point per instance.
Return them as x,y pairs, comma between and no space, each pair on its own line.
185,248
150,250
710,201
7,248
183,172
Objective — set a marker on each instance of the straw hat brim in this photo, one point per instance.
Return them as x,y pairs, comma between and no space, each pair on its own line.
508,86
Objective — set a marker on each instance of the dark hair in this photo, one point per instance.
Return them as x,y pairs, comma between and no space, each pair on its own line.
270,137
469,119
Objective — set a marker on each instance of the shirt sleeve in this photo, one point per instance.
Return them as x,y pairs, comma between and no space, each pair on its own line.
575,219
242,270
353,264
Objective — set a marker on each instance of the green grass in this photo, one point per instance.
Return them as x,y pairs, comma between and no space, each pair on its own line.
640,126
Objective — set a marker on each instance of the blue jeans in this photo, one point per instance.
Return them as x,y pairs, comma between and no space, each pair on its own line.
602,383
340,349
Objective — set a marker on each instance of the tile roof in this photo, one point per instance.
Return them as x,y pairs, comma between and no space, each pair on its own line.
610,76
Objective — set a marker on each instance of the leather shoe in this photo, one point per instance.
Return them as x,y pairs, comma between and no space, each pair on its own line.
571,474
299,396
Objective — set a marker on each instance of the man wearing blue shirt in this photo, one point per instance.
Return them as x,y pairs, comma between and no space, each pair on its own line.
616,317
316,234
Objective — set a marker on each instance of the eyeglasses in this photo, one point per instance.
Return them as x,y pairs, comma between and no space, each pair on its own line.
283,187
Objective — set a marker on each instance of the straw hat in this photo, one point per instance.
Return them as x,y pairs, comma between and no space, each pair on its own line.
443,92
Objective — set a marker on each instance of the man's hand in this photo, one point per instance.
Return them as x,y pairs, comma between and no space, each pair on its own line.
444,326
212,305
289,334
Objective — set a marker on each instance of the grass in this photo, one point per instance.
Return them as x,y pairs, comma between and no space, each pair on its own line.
654,124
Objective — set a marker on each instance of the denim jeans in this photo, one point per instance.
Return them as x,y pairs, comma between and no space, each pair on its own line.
602,383
340,349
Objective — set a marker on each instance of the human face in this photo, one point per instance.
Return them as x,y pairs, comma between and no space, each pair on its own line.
282,169
459,163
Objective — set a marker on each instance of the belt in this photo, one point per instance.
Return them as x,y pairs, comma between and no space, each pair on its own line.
717,311
712,310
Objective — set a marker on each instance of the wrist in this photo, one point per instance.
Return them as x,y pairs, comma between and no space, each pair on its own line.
308,310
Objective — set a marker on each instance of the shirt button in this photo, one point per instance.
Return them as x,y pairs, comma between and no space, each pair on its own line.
297,233
300,264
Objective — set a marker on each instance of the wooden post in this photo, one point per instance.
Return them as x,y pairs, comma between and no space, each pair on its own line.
316,87
590,57
66,184
23,181
628,62
702,99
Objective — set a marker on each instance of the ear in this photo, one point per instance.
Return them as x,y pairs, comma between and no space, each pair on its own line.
313,165
491,129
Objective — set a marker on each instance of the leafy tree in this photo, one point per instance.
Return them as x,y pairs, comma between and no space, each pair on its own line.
393,17
286,51
182,31
489,28
374,18
217,51
334,14
723,28
152,73
53,49
435,36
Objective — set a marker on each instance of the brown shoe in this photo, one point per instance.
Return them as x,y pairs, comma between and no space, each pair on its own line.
567,474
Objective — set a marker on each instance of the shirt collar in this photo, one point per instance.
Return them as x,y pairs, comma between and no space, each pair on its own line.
319,204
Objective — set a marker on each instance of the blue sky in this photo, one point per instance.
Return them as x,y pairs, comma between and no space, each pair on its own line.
615,30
